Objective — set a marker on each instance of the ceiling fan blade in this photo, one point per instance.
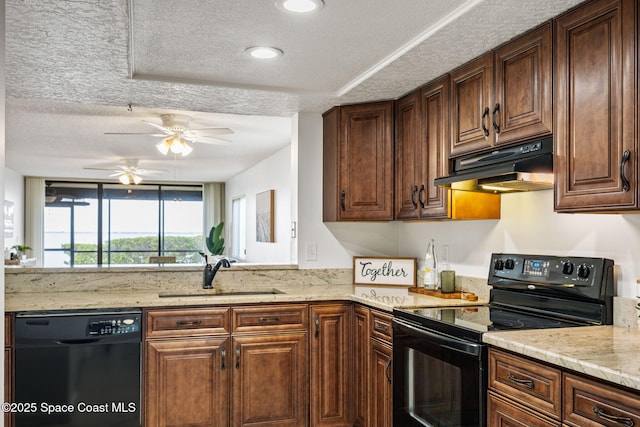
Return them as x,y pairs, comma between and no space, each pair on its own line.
136,133
214,131
150,171
101,169
212,141
164,130
117,174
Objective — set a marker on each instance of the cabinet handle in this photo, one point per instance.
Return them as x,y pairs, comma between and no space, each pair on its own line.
414,190
223,354
269,319
625,182
527,383
386,370
620,420
188,323
237,357
496,127
484,127
420,193
343,194
381,328
317,322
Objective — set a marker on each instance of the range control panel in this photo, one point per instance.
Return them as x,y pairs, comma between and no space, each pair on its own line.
117,325
549,270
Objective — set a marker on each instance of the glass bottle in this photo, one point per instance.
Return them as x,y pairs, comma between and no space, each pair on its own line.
431,267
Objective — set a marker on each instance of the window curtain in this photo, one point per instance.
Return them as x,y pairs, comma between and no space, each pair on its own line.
34,190
213,205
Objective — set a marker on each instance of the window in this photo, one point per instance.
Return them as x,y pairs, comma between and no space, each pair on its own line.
110,224
238,228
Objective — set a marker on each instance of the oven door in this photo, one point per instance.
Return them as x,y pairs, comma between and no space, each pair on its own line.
438,380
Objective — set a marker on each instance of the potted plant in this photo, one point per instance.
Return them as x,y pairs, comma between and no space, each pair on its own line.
21,251
214,242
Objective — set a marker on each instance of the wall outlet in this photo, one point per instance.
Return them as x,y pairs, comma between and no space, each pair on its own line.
311,252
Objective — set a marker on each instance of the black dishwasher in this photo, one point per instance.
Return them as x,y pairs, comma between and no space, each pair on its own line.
78,368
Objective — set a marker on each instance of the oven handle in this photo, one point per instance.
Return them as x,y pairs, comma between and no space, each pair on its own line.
444,341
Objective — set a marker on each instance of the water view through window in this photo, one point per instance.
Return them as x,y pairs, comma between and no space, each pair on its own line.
94,224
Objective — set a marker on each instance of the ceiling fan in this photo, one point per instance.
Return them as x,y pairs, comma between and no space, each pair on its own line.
176,133
128,173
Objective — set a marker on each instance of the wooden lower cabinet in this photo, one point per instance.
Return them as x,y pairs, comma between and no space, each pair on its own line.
361,366
330,357
268,380
381,384
186,382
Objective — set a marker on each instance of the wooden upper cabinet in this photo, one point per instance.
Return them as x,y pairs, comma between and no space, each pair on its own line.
523,87
595,158
358,155
435,148
471,104
504,96
408,156
422,151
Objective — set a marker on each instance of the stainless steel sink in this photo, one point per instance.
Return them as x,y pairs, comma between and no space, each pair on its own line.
220,293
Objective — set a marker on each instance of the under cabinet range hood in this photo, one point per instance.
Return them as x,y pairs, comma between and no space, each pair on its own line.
523,167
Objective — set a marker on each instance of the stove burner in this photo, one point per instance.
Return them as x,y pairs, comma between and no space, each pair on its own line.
502,320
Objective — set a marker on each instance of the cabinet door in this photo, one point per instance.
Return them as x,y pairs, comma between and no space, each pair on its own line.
366,162
268,380
595,159
381,384
361,321
471,103
330,366
186,382
434,161
523,88
408,156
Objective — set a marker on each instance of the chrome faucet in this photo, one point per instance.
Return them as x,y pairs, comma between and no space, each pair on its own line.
211,270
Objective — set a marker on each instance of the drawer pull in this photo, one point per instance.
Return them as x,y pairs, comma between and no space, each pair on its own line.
188,323
381,328
527,383
620,420
269,319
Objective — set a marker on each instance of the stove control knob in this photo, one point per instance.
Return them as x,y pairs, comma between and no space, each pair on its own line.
509,264
498,264
567,268
583,271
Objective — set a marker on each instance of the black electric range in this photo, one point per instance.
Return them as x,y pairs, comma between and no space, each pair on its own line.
439,359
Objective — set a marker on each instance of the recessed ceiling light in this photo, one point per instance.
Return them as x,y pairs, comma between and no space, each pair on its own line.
300,6
263,52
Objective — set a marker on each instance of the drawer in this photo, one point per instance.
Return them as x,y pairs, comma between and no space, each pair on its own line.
187,322
269,318
523,380
381,326
501,412
590,403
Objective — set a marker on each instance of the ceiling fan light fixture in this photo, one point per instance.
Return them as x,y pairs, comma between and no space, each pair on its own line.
176,146
299,6
163,147
186,149
124,179
264,52
137,179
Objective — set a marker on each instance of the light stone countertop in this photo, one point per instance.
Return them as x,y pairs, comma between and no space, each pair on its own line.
36,301
609,353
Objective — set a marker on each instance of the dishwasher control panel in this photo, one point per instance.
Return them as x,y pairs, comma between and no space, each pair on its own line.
118,325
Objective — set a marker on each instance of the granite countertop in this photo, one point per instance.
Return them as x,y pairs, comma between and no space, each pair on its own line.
34,301
608,353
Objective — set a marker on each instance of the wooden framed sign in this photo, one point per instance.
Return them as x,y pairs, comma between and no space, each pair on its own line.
384,271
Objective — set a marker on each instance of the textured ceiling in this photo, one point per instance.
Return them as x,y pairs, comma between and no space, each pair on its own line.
74,66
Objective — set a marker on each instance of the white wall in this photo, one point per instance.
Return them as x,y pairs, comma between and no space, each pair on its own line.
14,192
528,225
273,173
